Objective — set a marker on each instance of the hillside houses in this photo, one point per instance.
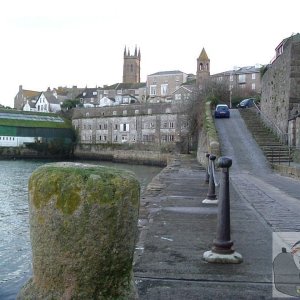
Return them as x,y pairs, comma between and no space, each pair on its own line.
117,94
47,101
247,79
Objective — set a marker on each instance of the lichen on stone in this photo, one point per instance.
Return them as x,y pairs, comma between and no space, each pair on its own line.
71,184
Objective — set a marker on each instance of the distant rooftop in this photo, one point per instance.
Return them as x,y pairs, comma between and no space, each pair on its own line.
241,70
167,73
30,117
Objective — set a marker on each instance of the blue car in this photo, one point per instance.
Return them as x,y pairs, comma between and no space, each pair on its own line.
246,103
222,111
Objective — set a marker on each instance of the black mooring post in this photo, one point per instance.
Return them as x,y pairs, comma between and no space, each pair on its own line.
223,244
211,194
207,168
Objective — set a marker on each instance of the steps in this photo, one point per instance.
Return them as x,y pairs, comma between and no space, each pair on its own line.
274,150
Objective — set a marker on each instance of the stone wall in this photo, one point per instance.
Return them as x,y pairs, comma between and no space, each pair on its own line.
208,138
280,97
121,154
276,91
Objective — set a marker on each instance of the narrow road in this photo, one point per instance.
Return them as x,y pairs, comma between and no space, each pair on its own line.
276,198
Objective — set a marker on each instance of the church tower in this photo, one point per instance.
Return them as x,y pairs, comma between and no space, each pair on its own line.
203,69
131,66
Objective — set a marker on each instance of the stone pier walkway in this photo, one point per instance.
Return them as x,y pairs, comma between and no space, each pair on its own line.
176,229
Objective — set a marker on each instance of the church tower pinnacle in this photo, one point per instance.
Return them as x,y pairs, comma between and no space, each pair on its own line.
132,66
203,69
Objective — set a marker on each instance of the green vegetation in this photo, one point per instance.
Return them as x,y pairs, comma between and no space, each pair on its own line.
209,123
53,147
69,104
263,70
72,185
33,123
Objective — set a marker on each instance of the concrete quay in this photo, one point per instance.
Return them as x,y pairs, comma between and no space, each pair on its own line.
176,228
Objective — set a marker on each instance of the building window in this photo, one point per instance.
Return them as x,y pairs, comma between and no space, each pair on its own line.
164,89
124,112
231,78
104,137
100,126
152,90
253,75
95,93
171,125
171,138
151,125
165,125
149,111
124,138
114,112
99,137
253,86
116,138
116,126
124,127
164,138
177,96
242,78
136,112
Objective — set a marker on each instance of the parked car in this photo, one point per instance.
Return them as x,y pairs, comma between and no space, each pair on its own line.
246,103
222,111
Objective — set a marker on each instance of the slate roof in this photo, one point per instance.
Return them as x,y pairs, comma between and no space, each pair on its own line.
31,103
124,86
88,93
31,94
243,70
50,98
70,93
167,73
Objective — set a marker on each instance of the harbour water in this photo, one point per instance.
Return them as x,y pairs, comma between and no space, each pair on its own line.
15,248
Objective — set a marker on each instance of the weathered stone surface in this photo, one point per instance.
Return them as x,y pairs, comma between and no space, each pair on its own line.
83,226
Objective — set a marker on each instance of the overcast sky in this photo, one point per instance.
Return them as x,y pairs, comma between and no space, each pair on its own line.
69,42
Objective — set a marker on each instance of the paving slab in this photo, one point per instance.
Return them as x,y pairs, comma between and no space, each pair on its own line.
177,228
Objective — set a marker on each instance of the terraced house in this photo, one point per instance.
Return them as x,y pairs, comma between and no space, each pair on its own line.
152,124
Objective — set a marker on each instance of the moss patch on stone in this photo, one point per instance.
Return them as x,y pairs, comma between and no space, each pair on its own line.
70,184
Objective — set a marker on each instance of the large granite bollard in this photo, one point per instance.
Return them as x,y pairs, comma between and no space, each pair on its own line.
83,228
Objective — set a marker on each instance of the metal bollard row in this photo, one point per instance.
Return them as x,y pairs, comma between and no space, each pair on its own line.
222,250
211,197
